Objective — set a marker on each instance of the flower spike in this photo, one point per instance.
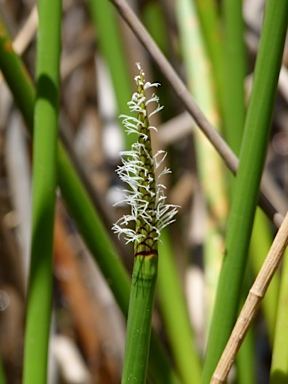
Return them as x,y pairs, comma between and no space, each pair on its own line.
145,196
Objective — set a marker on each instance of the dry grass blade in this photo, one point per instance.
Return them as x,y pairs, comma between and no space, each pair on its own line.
252,303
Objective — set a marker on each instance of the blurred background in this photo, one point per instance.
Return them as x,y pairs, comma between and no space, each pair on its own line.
87,327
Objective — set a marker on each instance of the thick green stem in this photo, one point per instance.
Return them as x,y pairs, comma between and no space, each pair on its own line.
235,68
43,192
139,319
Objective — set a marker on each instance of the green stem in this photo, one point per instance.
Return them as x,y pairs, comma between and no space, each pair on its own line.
252,157
43,191
235,68
139,319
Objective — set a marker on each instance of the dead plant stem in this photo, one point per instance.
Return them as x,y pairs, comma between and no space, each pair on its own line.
252,303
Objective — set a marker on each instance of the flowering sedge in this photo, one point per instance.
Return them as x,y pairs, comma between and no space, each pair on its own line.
149,215
145,195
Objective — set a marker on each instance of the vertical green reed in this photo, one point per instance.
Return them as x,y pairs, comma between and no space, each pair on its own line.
43,191
252,157
235,71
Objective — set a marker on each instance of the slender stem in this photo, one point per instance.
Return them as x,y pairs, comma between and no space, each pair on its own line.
44,186
139,319
234,65
252,303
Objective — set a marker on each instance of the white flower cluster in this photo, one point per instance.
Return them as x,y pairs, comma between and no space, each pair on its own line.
137,173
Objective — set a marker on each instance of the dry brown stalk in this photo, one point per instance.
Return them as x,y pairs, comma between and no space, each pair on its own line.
252,303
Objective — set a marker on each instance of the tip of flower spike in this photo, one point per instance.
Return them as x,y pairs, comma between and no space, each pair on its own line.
138,104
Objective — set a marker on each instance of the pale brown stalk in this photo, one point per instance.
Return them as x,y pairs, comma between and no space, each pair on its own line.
252,303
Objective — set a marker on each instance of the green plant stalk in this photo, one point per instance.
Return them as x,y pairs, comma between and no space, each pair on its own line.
80,205
252,157
108,35
139,319
279,365
234,69
175,315
43,191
